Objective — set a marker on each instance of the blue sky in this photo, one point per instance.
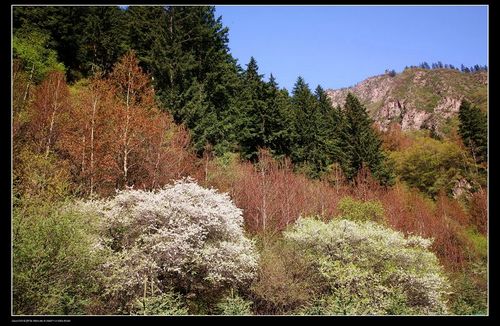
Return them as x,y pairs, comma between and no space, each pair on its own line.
338,46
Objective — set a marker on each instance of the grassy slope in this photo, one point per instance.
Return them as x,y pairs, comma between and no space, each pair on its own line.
425,88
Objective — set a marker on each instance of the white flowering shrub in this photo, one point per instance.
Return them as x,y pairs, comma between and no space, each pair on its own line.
182,236
370,269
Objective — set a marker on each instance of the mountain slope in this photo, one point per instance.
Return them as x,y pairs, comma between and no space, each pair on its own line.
417,98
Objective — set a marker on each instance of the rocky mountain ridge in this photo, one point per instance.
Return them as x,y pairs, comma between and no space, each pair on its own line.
417,98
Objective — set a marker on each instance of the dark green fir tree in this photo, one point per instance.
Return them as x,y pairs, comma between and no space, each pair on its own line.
361,146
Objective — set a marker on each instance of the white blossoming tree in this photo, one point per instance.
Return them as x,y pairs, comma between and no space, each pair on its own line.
370,269
183,237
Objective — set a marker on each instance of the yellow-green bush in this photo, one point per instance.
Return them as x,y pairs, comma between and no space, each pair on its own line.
54,260
361,211
432,166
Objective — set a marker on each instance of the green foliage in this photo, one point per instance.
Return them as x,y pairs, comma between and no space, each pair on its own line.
280,120
225,167
326,119
431,165
370,269
39,176
469,295
361,211
266,120
164,304
303,106
54,259
65,25
255,114
360,144
316,144
473,130
234,305
103,40
479,242
31,47
185,49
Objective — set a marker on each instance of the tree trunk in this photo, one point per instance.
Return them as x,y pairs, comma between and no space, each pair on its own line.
157,165
92,128
264,201
125,136
52,119
83,152
28,86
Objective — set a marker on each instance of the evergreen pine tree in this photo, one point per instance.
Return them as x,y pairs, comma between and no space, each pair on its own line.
65,26
327,122
361,146
473,130
254,114
303,104
103,39
185,48
281,124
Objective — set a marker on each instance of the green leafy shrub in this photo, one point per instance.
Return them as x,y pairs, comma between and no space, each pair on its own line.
55,261
361,211
431,165
470,288
479,243
38,176
234,305
169,304
31,47
370,269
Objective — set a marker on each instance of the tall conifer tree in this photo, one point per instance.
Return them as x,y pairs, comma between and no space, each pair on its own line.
303,104
254,113
473,130
361,146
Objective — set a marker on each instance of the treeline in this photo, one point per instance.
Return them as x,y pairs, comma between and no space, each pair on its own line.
195,78
440,65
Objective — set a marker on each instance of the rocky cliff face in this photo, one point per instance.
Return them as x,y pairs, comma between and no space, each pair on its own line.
417,98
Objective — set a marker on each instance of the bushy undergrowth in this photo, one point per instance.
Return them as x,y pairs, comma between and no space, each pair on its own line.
357,210
286,280
432,166
469,295
55,261
169,304
178,250
234,305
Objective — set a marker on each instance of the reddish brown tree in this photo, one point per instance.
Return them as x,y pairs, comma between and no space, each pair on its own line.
136,97
49,112
118,137
166,155
394,139
479,210
91,140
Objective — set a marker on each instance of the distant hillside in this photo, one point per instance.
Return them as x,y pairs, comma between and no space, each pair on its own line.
417,98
